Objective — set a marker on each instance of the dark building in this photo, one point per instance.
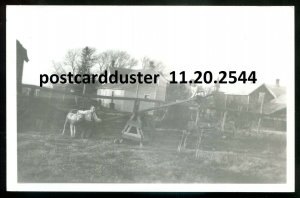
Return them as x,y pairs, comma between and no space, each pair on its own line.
21,57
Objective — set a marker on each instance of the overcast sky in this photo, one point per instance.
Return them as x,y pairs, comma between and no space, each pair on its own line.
183,38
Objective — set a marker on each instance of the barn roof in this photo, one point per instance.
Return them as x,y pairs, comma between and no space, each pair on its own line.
275,105
22,52
247,89
276,91
242,90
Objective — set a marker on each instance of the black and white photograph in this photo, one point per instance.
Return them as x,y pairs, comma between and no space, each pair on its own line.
150,98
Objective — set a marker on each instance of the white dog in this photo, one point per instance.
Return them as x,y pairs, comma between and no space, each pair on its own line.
73,119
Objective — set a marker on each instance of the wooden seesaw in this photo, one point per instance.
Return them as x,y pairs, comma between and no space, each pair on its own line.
133,127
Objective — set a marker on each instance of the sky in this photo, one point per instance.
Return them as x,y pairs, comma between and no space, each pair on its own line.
187,39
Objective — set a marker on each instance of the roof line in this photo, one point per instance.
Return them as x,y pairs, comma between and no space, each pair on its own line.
264,84
270,91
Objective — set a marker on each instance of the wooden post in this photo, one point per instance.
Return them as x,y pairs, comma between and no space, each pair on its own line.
75,98
83,90
198,143
112,97
261,111
248,102
182,140
258,124
112,105
224,121
201,132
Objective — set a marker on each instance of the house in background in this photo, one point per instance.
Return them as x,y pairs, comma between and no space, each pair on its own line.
255,98
153,91
276,107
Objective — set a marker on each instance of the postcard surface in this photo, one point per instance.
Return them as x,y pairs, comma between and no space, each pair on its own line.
150,98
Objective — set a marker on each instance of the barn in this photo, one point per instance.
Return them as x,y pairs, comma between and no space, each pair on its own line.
266,99
253,97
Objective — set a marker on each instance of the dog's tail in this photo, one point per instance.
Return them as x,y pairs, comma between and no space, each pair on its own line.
71,111
63,132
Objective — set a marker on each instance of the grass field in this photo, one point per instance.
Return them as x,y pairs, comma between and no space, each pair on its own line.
245,158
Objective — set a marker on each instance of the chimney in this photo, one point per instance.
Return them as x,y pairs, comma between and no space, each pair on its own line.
112,63
151,64
277,82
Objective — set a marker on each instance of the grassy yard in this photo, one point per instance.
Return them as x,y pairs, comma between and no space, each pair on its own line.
245,158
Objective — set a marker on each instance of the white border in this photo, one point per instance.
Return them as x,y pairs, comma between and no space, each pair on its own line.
13,185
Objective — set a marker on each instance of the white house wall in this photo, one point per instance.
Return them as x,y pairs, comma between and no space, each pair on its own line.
108,92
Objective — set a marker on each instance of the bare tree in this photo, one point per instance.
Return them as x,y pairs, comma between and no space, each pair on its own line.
58,68
72,59
70,62
77,61
153,64
116,59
